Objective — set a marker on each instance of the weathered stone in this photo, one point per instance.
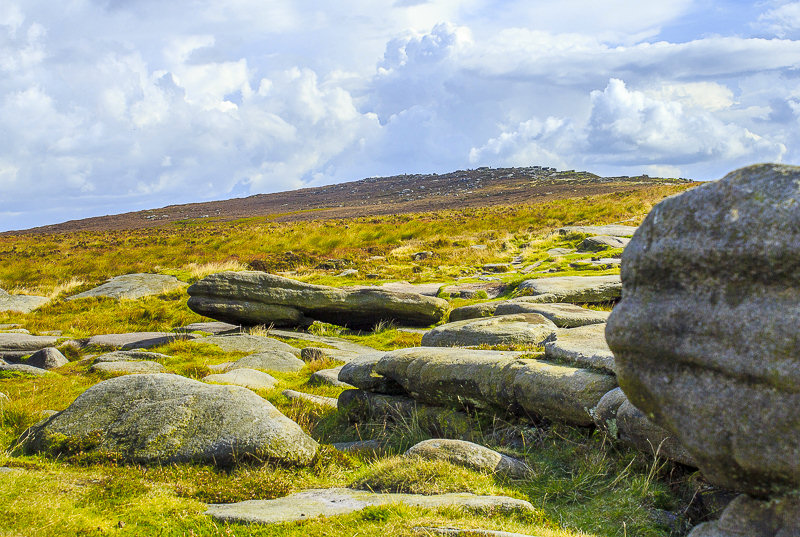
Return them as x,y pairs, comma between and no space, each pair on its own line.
705,338
135,340
22,368
456,532
133,286
584,346
420,256
474,289
470,455
310,354
334,342
269,361
212,327
319,400
328,377
473,311
247,378
618,418
164,418
747,517
427,289
49,358
487,379
330,502
21,303
13,346
574,289
347,272
496,267
520,329
129,356
248,343
359,446
602,242
562,315
558,252
610,229
127,368
260,298
361,373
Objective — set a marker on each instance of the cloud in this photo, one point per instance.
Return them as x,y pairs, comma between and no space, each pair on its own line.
782,20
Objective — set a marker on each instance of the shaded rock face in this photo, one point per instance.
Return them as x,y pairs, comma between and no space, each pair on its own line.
133,286
474,311
706,337
48,358
164,418
520,329
470,455
610,229
573,289
260,298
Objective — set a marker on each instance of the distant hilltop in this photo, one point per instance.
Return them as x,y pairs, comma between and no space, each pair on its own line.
407,193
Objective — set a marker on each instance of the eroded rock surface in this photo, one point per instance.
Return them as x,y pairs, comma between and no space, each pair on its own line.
519,329
470,455
133,286
21,303
247,378
584,346
573,289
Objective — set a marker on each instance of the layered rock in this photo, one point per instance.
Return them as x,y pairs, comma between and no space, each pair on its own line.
21,303
133,286
13,346
573,289
260,298
519,329
165,418
584,346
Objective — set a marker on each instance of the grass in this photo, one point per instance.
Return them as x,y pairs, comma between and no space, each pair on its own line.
582,484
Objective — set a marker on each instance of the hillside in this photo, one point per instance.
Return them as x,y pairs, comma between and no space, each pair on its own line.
482,187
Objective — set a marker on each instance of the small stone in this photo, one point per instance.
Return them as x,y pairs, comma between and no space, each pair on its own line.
49,358
470,455
320,400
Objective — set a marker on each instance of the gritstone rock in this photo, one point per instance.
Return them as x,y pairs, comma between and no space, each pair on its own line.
21,303
164,418
127,368
248,343
477,457
706,336
574,289
520,329
260,298
13,346
133,286
562,315
610,229
247,378
602,242
584,346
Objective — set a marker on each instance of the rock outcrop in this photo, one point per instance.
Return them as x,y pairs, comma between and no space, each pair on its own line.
165,418
519,329
14,346
573,289
470,455
21,303
133,286
48,358
584,346
260,298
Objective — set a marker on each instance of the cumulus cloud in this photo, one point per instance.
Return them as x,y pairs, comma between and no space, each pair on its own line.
782,20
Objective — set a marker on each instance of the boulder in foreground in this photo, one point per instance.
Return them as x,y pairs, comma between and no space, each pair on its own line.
259,298
163,418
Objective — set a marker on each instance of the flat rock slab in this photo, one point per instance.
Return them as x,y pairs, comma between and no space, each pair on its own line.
247,378
602,242
563,315
474,311
248,343
320,400
520,329
427,289
328,377
338,501
211,327
252,297
164,418
127,368
558,252
310,354
269,361
133,286
573,289
610,229
470,455
49,358
584,346
471,290
21,303
13,346
134,340
129,356
335,342
22,368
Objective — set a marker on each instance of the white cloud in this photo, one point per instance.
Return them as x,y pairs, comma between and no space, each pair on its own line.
782,20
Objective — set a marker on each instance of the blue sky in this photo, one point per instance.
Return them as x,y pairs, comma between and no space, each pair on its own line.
108,106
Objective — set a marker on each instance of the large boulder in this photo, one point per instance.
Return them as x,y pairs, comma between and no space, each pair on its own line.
258,298
133,286
574,289
49,358
519,329
706,336
14,346
165,418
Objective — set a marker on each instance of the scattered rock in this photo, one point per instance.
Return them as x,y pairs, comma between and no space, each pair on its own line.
618,418
22,368
133,286
420,256
8,326
562,315
749,517
359,446
602,242
347,272
260,298
611,229
584,346
558,252
472,290
14,346
520,329
320,400
270,361
213,327
21,303
135,340
247,378
248,343
49,358
705,338
496,267
164,418
574,289
471,455
328,377
129,356
473,311
310,354
127,368
314,503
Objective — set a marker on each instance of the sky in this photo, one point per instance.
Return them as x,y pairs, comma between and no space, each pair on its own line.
109,106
